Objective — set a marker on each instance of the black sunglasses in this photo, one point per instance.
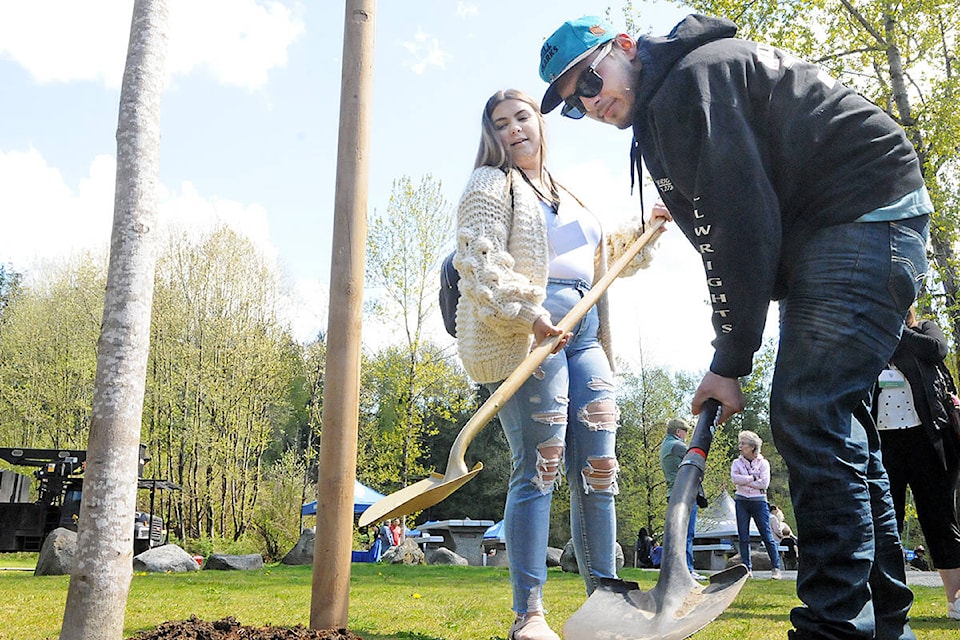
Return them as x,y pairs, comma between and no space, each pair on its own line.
589,84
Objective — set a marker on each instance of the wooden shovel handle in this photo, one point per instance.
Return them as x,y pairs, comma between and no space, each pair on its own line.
456,466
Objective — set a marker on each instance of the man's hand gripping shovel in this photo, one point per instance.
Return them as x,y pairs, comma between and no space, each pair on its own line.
437,487
677,606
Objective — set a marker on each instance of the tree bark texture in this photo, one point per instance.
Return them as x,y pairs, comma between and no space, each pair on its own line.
100,583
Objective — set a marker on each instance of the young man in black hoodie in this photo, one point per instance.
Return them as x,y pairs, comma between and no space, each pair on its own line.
792,188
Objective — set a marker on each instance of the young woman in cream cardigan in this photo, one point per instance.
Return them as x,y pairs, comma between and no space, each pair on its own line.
527,249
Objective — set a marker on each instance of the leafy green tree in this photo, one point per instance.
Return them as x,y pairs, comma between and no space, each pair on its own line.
482,498
10,281
403,251
649,398
220,375
276,516
391,435
48,355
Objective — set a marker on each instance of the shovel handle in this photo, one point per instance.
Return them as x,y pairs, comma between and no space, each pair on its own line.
456,466
706,427
685,487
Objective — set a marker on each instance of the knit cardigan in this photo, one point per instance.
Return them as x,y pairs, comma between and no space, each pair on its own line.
751,477
502,258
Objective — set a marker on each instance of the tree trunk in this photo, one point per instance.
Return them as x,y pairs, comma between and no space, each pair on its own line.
97,596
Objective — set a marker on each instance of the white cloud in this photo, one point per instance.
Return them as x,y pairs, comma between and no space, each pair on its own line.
200,214
43,217
237,41
426,52
47,222
467,9
306,308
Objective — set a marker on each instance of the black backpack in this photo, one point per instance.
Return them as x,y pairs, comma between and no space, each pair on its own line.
449,293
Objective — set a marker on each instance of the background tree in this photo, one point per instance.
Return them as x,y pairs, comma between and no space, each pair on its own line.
221,372
100,582
403,251
649,397
9,287
484,497
48,338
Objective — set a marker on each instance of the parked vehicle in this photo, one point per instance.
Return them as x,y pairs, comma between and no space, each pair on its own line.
25,523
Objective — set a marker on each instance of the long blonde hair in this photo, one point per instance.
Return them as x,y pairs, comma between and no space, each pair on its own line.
492,152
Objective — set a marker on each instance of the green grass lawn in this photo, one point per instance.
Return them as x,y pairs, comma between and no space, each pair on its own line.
392,601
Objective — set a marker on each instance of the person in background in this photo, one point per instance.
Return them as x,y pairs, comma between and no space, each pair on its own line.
656,554
920,448
672,449
791,187
750,473
783,537
386,535
641,549
919,560
396,532
527,251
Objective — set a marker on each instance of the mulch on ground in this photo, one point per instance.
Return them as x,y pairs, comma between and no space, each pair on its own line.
230,629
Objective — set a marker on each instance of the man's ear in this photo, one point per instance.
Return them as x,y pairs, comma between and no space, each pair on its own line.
627,45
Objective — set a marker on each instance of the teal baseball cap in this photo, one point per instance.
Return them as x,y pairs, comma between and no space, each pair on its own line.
568,45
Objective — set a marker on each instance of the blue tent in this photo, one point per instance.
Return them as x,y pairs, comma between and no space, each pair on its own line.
363,497
495,532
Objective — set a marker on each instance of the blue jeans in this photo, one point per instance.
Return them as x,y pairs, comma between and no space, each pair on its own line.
564,416
691,532
847,294
759,510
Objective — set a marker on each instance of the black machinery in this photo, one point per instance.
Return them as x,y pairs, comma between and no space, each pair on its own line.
25,524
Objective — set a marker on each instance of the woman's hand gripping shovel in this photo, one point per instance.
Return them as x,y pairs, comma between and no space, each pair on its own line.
677,606
437,487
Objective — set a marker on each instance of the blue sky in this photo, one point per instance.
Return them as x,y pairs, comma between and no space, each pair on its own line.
250,121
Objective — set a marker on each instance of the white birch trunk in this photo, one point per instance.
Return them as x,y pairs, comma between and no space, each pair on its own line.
100,583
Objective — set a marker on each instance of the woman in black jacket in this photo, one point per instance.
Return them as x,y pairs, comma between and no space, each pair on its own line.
919,448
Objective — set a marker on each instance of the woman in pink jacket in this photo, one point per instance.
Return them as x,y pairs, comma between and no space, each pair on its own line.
750,472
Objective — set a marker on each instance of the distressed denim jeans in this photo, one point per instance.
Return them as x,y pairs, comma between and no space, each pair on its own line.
759,510
847,294
563,417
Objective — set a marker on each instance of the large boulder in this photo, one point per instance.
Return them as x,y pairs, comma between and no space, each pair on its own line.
57,555
302,552
442,555
568,558
759,560
166,559
407,552
224,562
553,556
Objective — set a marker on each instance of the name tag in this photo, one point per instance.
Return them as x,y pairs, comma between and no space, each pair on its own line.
891,379
567,237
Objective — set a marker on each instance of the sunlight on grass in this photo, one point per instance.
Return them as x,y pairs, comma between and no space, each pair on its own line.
394,602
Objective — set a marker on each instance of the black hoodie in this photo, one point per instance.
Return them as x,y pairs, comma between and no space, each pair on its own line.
751,150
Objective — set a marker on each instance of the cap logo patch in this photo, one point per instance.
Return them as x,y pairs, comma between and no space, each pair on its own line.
546,54
597,30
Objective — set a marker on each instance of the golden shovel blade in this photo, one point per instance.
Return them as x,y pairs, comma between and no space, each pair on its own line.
416,497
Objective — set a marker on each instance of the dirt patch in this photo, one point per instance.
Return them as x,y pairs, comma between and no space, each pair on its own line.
230,629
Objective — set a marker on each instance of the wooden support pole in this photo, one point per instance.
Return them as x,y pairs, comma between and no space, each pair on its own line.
341,392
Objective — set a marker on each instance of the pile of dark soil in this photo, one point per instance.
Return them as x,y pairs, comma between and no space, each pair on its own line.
230,629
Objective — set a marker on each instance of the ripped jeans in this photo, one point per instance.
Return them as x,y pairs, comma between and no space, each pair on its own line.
564,417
